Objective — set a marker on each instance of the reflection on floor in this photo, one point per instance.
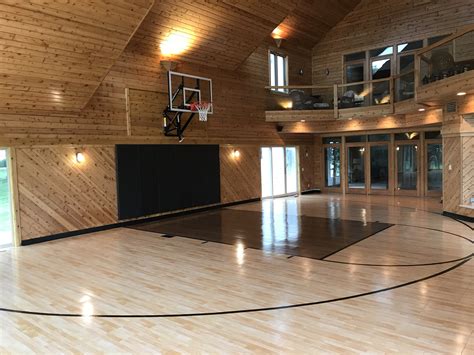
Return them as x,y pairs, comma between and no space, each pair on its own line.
270,230
132,272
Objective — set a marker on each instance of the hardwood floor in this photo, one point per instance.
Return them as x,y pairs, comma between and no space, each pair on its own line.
127,290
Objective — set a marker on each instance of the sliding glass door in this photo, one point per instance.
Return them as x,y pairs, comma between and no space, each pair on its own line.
279,171
6,230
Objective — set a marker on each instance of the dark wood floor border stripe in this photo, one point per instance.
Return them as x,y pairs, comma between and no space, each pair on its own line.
131,223
240,311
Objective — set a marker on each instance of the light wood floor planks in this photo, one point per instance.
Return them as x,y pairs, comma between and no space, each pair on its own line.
131,272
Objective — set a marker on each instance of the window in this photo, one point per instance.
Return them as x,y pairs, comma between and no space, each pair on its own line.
410,46
381,52
354,72
356,139
278,71
379,137
409,136
332,159
381,68
332,140
433,135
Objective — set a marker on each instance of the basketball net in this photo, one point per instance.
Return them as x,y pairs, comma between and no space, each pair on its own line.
202,108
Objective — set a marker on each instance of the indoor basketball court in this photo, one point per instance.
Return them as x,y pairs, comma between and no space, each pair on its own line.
236,177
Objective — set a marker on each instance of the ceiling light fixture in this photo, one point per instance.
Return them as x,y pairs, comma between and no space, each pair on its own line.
277,35
422,109
176,43
462,93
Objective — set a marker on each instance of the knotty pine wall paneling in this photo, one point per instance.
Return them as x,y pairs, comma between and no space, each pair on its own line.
240,176
57,194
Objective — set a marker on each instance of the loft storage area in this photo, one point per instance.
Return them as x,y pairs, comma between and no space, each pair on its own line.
383,76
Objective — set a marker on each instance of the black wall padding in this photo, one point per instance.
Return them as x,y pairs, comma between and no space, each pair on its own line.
161,178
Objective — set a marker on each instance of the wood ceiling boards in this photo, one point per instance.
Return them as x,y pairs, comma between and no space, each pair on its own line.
54,53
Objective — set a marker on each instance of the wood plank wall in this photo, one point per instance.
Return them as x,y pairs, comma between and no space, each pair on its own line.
57,195
375,23
458,159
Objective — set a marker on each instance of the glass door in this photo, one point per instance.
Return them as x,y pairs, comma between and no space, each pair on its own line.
279,171
356,166
434,168
291,170
407,180
379,168
6,225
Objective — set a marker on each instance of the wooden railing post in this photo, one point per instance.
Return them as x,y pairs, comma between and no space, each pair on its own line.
336,102
417,76
392,94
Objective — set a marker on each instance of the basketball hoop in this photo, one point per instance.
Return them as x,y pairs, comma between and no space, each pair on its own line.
202,108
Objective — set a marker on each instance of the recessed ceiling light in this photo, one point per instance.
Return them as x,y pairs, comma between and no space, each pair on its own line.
422,109
303,121
462,93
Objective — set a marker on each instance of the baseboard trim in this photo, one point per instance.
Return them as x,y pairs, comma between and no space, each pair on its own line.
458,216
79,232
312,191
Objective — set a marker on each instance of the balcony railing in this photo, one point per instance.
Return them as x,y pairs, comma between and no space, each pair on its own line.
330,101
453,55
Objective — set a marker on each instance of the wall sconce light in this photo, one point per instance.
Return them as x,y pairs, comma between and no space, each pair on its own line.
236,154
80,158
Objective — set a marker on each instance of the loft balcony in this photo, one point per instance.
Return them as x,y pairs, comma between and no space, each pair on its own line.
441,73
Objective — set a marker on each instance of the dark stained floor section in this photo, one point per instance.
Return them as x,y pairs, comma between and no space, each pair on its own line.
311,237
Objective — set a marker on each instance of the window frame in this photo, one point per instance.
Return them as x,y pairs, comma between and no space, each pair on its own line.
275,70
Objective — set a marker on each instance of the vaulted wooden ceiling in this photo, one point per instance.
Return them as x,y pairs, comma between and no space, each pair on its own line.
222,33
55,53
309,22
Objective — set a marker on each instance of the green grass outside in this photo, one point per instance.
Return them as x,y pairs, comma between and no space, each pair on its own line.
5,212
